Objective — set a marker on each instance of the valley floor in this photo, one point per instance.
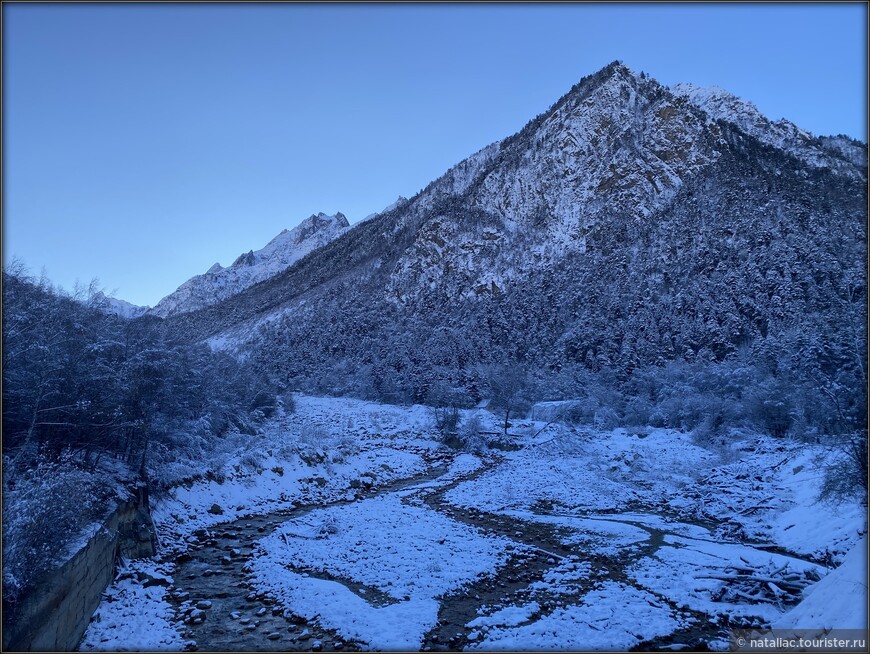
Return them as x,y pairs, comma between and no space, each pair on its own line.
366,533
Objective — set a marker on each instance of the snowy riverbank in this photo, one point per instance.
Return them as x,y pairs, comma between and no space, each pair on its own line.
578,539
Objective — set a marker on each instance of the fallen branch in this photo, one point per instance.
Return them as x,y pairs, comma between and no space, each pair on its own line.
770,584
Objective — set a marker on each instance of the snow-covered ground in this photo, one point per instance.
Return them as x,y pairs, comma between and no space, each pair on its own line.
614,616
765,490
833,602
325,451
411,554
588,471
579,539
134,614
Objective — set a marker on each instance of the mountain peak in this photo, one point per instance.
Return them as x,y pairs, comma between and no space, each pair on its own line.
615,67
254,266
718,102
614,71
314,224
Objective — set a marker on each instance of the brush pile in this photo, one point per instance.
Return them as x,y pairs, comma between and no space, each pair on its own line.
770,583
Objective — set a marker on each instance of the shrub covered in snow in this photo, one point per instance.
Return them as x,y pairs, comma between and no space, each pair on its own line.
45,510
846,473
83,388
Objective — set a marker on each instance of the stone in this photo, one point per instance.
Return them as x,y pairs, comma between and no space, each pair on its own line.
203,604
216,509
196,616
273,636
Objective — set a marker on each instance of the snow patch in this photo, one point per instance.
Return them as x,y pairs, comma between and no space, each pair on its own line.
133,617
410,554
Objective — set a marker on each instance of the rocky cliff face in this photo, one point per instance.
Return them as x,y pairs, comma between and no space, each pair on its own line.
838,153
617,144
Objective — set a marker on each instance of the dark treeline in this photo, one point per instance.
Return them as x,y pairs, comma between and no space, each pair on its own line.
92,401
77,379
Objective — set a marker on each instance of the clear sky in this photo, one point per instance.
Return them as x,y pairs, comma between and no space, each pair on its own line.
143,143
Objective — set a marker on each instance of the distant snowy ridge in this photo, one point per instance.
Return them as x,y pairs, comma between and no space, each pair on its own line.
828,152
219,283
118,307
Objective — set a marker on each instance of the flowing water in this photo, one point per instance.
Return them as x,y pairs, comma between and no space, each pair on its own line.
227,615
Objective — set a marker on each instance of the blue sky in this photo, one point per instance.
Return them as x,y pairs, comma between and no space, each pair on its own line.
143,143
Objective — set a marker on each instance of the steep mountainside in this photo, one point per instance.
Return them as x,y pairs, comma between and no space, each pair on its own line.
281,252
827,152
626,227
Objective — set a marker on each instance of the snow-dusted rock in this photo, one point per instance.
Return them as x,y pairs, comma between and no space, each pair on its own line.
837,153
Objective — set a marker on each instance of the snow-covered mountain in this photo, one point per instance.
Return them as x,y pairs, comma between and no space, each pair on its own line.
626,226
219,283
617,146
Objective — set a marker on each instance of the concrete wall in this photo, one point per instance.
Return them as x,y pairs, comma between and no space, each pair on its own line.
54,616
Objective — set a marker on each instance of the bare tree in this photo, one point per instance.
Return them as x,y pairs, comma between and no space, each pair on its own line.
508,385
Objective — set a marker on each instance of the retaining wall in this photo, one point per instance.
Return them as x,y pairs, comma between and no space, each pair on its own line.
53,617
